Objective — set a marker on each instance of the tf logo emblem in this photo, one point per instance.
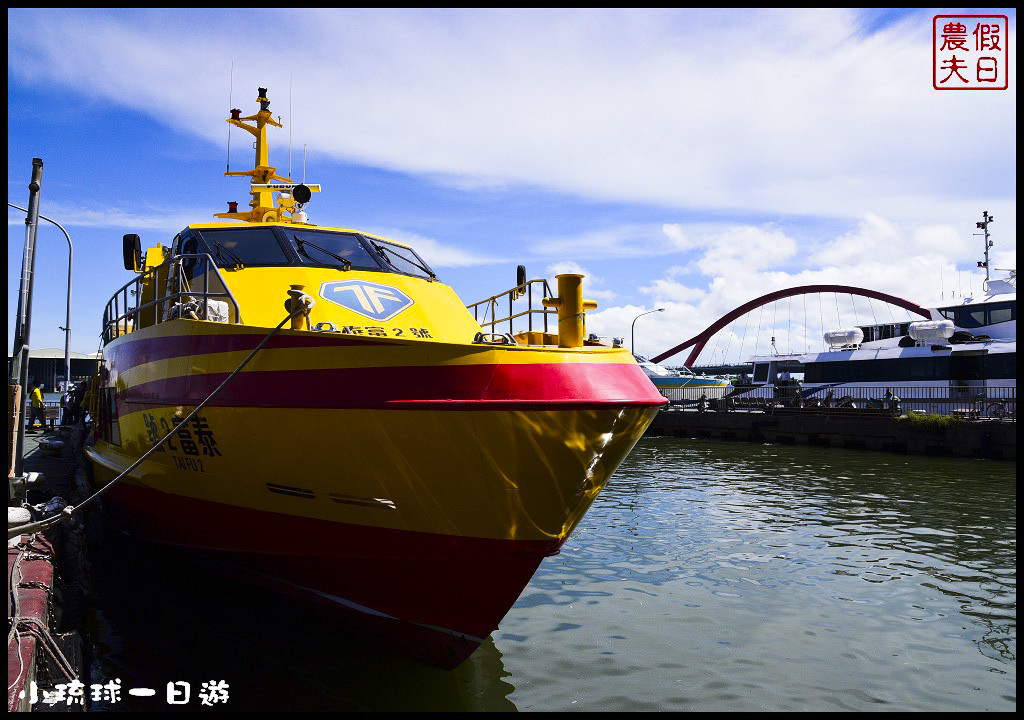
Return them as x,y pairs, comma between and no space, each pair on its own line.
377,302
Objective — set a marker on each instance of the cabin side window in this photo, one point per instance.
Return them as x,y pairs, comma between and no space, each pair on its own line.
109,424
878,371
972,316
1002,366
188,245
884,332
1002,312
403,259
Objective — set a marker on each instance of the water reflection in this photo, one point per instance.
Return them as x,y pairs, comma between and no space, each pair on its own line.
161,619
948,525
706,576
846,559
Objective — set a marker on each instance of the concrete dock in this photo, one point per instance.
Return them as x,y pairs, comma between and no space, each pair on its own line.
47,578
858,429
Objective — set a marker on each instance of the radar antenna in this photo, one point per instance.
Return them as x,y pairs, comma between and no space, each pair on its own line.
264,180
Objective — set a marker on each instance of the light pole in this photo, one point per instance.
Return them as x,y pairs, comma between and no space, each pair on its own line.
632,338
67,319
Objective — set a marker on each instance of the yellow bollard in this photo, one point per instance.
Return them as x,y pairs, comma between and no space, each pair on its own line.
571,309
298,300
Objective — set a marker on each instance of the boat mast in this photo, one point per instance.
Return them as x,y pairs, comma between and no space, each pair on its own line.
983,225
262,202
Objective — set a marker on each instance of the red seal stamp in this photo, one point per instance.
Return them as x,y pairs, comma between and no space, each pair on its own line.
970,52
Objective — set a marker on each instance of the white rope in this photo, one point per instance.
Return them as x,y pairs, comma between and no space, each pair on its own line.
71,510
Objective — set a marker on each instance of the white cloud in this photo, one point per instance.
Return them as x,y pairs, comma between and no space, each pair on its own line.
438,254
664,289
923,265
170,221
715,117
744,249
622,241
779,111
592,284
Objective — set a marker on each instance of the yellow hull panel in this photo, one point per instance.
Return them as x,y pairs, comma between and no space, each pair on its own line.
518,475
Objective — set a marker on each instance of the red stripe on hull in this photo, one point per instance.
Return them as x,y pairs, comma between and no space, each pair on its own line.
435,596
467,386
129,353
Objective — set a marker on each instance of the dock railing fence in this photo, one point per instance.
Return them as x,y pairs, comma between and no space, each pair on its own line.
968,401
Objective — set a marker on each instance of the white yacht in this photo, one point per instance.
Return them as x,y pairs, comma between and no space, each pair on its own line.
682,384
963,359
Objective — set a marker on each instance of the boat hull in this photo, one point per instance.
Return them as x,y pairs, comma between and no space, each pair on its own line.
432,596
419,507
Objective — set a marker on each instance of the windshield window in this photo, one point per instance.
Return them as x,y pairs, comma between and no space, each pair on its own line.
332,249
403,259
761,372
245,246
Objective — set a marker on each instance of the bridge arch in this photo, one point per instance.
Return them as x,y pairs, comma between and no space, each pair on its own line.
699,340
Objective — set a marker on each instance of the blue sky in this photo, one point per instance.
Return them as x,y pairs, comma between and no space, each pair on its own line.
683,159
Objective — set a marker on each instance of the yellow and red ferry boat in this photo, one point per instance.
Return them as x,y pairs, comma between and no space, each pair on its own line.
382,453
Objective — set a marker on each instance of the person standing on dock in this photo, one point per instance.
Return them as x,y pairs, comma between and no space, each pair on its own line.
892,402
38,408
68,406
78,402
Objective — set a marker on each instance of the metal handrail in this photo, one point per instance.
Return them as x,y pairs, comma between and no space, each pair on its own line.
989,401
489,307
114,318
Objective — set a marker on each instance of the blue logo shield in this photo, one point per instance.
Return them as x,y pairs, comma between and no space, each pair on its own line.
377,302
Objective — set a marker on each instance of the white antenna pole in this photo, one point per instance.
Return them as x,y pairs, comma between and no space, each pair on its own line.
290,123
231,85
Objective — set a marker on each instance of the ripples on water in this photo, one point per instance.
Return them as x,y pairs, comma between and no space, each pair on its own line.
728,576
707,576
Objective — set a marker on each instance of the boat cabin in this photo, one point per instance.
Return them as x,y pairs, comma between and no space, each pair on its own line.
776,369
233,247
995,319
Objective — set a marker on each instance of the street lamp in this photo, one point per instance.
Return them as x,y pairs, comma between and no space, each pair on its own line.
67,319
632,338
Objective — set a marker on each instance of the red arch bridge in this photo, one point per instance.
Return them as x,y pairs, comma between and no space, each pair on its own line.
700,340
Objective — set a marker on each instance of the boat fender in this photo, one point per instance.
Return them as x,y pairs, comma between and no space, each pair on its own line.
51,447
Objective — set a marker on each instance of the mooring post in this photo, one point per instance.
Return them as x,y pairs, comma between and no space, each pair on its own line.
23,323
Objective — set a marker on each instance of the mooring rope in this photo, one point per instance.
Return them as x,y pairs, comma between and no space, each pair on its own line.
71,510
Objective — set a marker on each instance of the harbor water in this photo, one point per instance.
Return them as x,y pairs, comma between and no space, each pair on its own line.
709,576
